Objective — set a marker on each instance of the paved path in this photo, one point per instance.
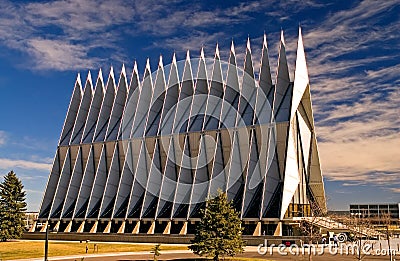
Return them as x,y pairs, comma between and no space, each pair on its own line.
250,252
141,254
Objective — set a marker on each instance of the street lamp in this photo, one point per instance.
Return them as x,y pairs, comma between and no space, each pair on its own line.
46,243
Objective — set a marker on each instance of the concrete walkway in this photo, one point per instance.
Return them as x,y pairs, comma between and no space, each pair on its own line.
78,257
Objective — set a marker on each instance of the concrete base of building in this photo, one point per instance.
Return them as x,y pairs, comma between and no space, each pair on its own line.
165,227
157,231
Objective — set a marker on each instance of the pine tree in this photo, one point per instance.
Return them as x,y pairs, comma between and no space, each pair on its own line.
12,207
219,232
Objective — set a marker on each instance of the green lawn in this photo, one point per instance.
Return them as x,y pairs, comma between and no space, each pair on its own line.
35,249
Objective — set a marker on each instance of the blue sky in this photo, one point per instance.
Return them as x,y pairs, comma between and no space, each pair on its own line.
352,48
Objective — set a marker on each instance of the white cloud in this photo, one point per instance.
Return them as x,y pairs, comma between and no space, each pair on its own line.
396,190
32,191
77,17
355,94
193,42
9,164
3,137
69,31
358,158
359,133
166,19
60,54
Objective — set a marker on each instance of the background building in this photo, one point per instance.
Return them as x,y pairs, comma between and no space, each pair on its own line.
141,157
30,218
376,211
384,217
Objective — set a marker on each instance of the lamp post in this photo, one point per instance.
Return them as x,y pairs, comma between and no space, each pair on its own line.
46,243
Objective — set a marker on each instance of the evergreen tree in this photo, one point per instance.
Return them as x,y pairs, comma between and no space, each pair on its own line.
219,232
12,207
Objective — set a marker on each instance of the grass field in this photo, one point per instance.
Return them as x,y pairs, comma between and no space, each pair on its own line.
35,249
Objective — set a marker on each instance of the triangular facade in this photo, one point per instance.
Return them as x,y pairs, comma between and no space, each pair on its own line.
153,148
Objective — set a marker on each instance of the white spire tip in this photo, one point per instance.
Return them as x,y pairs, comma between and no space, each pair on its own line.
248,44
160,62
232,47
174,58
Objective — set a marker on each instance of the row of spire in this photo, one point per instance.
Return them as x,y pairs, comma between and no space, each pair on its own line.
102,92
135,72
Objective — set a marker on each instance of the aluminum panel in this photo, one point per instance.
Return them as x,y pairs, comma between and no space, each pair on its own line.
51,187
117,108
171,99
265,79
130,106
111,188
183,110
138,190
73,188
83,112
105,110
62,187
94,110
157,103
153,186
71,113
282,86
301,80
219,170
231,95
98,187
216,95
291,179
143,107
86,187
124,186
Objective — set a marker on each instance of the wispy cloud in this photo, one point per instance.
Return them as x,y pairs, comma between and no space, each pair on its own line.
59,54
163,18
193,42
9,164
32,191
24,154
355,97
3,137
396,190
76,17
68,34
61,35
361,159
